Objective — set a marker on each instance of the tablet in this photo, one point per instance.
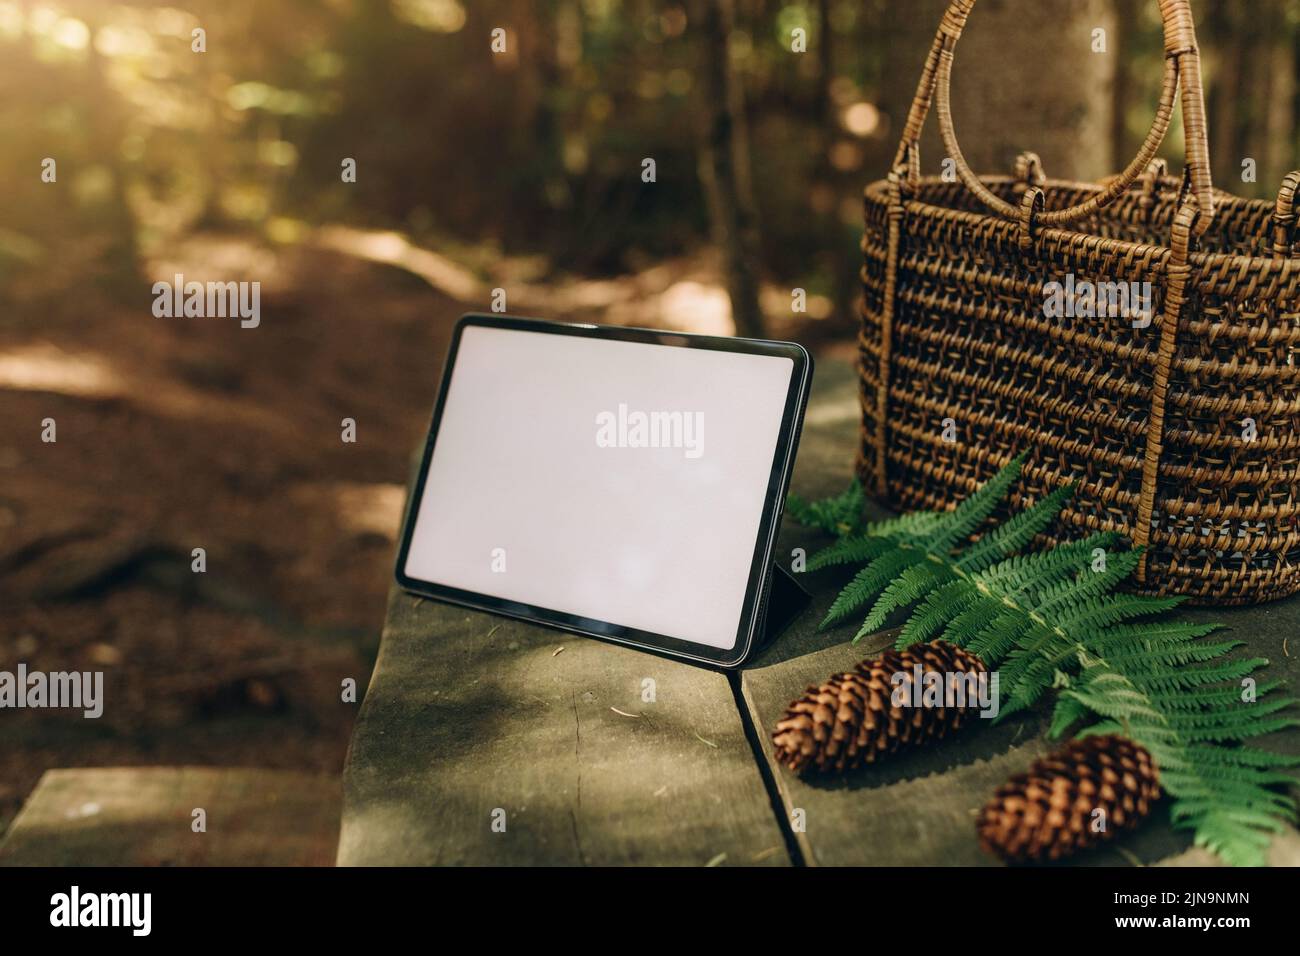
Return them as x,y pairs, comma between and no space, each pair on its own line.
622,483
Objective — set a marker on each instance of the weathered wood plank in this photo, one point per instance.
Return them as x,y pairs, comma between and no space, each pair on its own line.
468,714
143,816
920,808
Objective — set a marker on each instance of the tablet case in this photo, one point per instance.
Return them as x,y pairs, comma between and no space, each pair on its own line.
784,601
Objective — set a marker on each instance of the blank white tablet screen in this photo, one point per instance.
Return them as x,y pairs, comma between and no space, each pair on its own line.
546,487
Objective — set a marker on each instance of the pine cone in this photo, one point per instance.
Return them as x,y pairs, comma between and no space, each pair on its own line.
1050,812
852,720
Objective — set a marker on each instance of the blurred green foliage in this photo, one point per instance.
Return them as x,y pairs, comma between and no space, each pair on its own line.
535,150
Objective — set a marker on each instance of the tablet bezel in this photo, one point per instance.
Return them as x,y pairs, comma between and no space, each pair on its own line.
773,503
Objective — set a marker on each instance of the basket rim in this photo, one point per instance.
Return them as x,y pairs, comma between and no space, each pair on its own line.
878,193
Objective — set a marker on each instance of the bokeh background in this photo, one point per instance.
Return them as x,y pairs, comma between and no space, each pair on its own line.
475,170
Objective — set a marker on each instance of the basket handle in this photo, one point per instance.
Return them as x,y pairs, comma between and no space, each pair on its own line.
1182,74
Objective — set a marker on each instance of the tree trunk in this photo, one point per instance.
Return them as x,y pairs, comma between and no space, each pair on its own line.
724,163
106,125
1280,109
1227,68
1122,143
1025,78
825,66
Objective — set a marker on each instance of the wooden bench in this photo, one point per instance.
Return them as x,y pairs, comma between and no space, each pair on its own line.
472,719
144,816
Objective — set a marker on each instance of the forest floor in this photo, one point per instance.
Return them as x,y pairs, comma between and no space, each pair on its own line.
183,433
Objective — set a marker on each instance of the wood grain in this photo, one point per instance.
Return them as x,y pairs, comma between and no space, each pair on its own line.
143,816
468,715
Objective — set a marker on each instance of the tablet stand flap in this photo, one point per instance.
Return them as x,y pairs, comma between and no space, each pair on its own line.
786,599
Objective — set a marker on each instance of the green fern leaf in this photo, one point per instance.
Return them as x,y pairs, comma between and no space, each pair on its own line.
974,511
962,628
996,640
841,515
869,581
851,550
909,587
935,611
1007,539
1057,621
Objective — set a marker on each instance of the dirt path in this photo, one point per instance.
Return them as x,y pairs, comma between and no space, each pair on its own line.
175,434
183,433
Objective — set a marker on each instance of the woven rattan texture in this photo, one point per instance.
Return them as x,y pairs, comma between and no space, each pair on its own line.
970,340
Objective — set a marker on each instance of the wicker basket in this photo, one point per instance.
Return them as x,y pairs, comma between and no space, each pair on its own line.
1178,417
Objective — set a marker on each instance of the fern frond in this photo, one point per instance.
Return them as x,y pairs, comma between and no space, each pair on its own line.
935,612
1089,584
869,582
1223,793
1191,678
999,636
910,528
1008,538
1067,713
1056,620
962,628
1029,574
967,517
1169,655
1226,733
1158,631
840,516
850,550
1240,838
1126,638
1120,607
1244,757
909,587
1031,666
1176,700
1229,728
